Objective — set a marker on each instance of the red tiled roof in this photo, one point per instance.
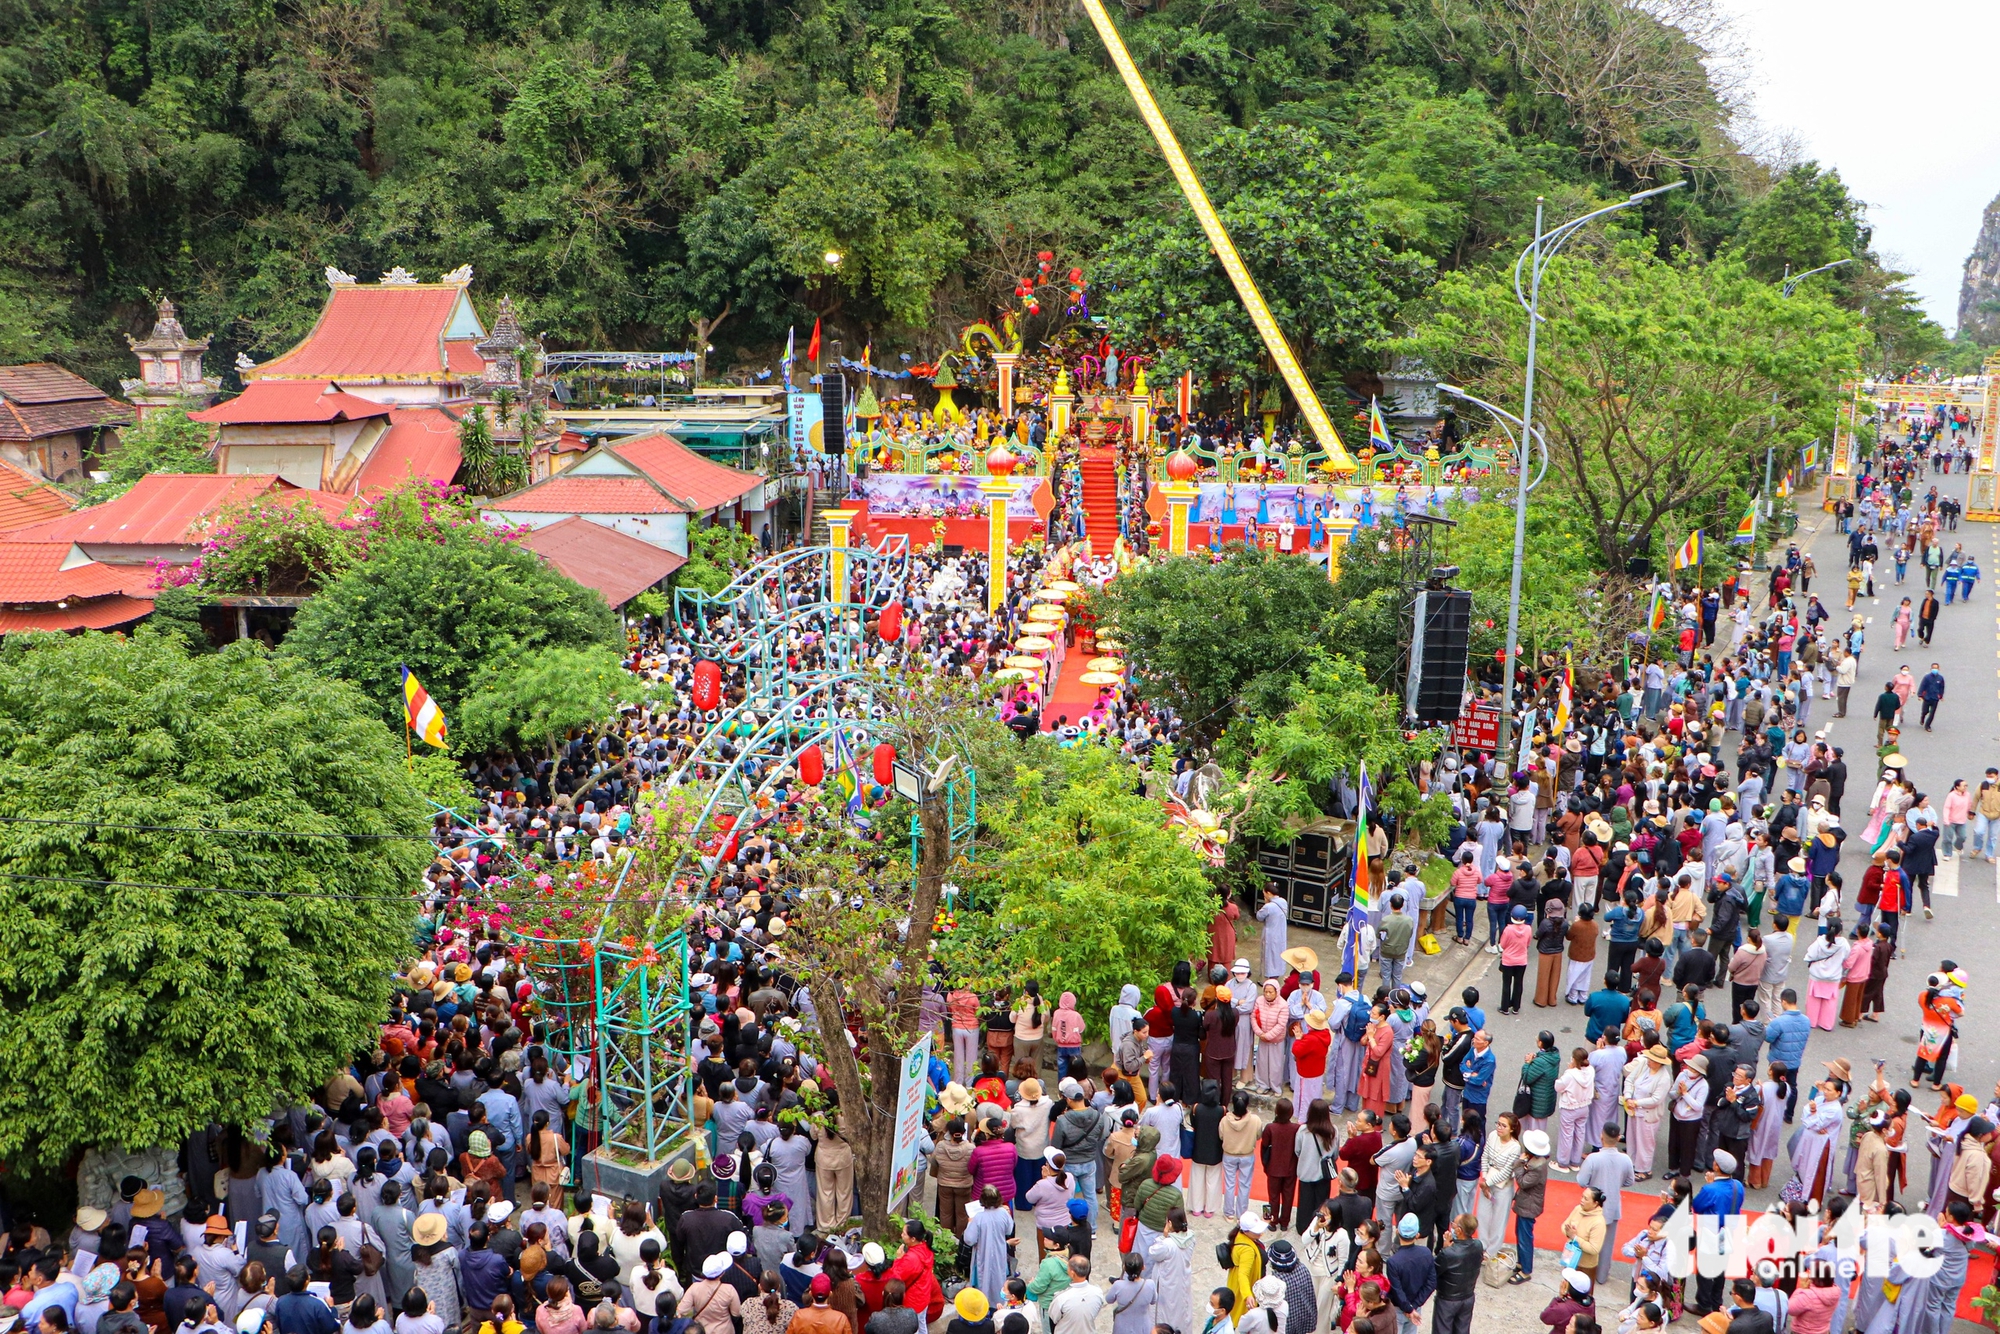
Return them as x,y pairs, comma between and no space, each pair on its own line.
379,331
290,402
33,572
161,509
40,382
617,566
567,494
26,499
420,442
100,615
685,474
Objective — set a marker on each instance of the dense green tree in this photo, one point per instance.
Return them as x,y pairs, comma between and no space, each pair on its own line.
531,702
166,441
1261,615
135,1011
1302,227
1659,383
447,608
1085,884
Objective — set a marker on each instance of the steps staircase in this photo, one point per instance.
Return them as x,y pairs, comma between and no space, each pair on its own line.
1099,468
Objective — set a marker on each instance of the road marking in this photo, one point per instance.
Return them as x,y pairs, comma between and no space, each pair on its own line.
1945,882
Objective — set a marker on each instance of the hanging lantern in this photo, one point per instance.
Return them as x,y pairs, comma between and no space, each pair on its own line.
890,626
812,766
885,763
707,684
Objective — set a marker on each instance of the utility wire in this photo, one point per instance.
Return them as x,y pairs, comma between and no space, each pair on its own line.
203,829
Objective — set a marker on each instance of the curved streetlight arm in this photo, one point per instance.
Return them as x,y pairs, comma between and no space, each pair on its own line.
1792,280
1545,246
1507,421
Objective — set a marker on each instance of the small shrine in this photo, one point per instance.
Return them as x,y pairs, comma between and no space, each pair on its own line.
170,372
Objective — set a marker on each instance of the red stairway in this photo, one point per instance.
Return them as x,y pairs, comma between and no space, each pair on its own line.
1099,467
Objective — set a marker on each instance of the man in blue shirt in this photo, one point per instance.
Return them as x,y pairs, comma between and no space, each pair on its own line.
299,1311
1605,1008
1721,1197
503,1125
1786,1036
1478,1066
52,1287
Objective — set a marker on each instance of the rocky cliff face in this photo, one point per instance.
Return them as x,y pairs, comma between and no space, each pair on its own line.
1979,296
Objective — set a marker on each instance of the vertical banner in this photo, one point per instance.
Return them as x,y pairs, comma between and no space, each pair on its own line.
910,1094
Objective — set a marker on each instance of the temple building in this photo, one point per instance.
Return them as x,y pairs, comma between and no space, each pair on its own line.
53,424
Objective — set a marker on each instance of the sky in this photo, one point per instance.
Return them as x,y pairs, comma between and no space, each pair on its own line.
1885,92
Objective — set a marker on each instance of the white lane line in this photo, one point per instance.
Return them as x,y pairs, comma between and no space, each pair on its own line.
1945,882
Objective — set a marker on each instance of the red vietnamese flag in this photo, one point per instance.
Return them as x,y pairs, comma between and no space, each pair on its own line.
812,348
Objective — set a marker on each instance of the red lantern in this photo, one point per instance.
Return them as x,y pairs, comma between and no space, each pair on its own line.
812,766
707,684
891,625
885,764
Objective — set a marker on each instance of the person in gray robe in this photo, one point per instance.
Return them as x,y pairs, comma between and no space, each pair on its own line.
1172,1260
1961,1233
1343,1082
285,1195
1132,1298
1402,1023
1904,1315
788,1153
986,1235
391,1222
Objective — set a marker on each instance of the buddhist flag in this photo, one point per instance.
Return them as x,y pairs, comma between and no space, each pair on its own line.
1378,434
812,348
1362,909
1561,724
421,713
1810,458
791,351
1689,556
1786,483
1657,617
847,778
1746,527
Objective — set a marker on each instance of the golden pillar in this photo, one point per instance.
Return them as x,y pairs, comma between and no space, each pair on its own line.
1141,402
1180,491
998,488
1061,400
838,522
1338,531
1981,502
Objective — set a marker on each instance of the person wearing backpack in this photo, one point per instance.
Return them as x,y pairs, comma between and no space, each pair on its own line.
1315,1146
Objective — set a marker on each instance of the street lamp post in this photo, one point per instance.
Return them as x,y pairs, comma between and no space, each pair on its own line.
1786,286
1536,258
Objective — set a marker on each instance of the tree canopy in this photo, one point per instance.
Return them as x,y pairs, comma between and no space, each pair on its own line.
447,606
132,1010
1260,614
1659,382
644,173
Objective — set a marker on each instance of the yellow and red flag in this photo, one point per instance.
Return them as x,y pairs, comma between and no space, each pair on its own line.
421,713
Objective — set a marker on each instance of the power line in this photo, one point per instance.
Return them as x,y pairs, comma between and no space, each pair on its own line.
203,829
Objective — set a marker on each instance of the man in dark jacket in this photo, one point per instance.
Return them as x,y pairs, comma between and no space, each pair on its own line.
1412,1271
1457,1278
484,1275
1887,705
1920,858
704,1230
1748,1317
299,1312
1836,780
1736,1114
1931,690
1421,1198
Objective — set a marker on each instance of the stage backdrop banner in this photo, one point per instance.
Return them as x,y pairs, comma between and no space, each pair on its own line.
901,495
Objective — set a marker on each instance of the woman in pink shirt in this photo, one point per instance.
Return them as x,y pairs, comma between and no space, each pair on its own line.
1812,1307
1514,943
1498,886
1860,961
1957,810
962,1007
1465,886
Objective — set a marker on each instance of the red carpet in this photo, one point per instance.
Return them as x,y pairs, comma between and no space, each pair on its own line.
1100,498
1071,698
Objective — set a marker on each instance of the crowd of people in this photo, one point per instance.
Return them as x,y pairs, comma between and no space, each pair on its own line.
1334,1115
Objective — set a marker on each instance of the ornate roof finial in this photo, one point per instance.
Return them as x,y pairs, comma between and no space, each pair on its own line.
335,278
399,277
462,275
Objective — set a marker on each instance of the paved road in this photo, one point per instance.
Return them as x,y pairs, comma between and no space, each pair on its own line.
1966,740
